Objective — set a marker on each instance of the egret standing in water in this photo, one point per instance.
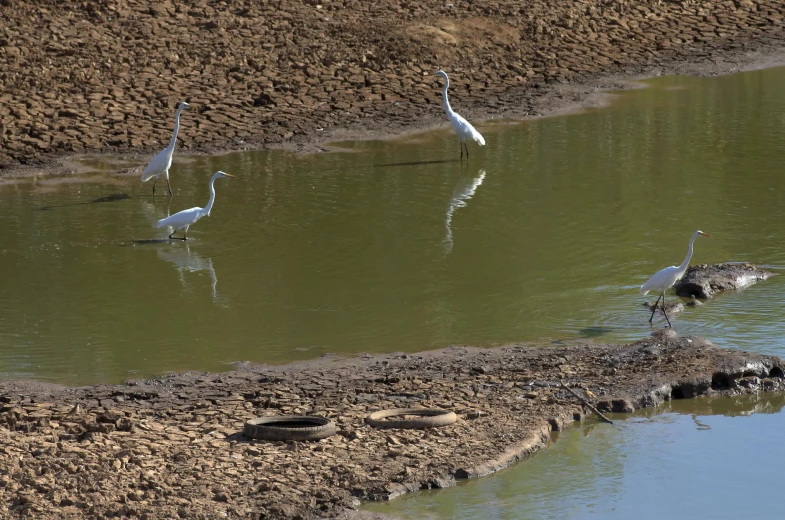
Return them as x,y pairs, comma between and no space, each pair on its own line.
462,127
161,162
665,278
184,219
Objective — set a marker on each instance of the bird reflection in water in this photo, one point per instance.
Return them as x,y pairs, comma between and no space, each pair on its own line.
181,256
463,191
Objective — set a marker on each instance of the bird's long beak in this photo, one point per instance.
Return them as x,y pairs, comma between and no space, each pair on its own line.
229,175
704,234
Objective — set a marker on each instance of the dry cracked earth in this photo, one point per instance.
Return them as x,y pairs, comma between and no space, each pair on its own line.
89,77
173,447
104,76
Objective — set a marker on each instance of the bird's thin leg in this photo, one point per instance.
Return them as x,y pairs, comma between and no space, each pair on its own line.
155,179
664,311
461,150
168,184
654,308
467,151
171,237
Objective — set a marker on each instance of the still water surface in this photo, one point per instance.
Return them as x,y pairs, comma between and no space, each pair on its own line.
396,246
698,458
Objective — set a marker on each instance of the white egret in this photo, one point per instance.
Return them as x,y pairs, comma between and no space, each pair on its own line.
665,278
461,126
184,219
163,161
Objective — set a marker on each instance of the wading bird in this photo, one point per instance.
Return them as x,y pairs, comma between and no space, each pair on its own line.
184,219
461,126
665,278
161,162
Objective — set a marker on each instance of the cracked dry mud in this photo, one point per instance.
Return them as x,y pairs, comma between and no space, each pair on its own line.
87,77
173,447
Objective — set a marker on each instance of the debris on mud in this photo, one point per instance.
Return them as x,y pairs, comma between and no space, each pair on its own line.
174,448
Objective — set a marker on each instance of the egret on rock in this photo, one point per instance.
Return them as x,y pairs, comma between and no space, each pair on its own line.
462,127
665,278
184,219
163,161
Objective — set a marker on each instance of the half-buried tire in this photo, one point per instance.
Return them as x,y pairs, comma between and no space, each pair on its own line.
411,418
289,428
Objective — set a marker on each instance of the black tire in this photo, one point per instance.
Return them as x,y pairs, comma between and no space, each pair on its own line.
289,428
427,418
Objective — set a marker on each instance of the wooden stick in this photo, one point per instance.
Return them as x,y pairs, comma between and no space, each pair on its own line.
587,403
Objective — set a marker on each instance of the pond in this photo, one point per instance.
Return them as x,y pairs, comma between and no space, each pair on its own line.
696,458
544,235
682,153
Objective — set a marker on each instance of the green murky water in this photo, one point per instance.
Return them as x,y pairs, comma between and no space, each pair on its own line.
699,458
683,154
395,246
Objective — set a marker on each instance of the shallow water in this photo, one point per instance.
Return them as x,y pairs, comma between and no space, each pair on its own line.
397,246
697,458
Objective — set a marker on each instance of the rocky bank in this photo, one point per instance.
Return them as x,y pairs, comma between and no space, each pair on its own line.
173,447
104,76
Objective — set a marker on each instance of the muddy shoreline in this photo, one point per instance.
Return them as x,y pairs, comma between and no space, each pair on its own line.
173,446
297,75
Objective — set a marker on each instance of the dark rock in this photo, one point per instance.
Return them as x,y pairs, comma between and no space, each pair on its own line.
622,405
670,307
704,281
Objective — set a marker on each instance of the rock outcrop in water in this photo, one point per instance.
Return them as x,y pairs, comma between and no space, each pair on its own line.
671,307
704,281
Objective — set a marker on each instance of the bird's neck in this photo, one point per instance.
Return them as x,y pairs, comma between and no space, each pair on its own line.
210,202
173,142
447,107
686,262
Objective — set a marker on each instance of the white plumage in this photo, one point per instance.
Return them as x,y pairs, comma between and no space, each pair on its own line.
161,163
664,279
462,127
184,219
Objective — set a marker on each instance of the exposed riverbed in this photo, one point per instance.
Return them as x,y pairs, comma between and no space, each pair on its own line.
173,446
296,74
545,236
683,451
